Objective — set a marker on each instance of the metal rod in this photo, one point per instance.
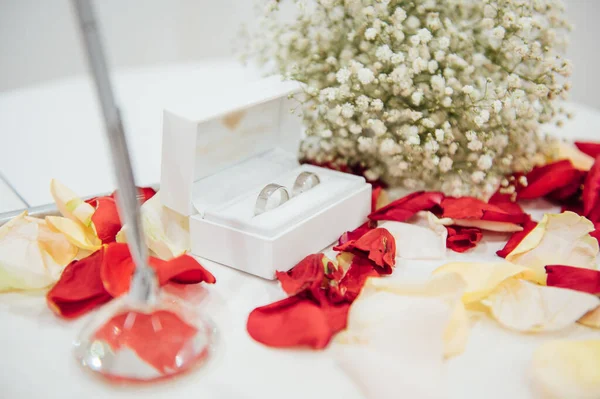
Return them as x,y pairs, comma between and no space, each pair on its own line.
143,284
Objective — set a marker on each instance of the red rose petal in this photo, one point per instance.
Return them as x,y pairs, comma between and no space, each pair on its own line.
183,269
308,274
461,239
516,238
295,321
157,338
404,208
472,208
359,271
504,202
378,244
144,194
118,267
357,233
571,191
541,181
106,219
574,278
596,233
591,193
79,288
591,149
375,193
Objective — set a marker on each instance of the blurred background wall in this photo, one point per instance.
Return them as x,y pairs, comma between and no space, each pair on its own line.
38,38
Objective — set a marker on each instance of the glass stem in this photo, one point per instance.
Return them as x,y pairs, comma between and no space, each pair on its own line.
144,283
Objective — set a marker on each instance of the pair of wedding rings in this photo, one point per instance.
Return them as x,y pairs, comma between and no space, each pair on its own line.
274,195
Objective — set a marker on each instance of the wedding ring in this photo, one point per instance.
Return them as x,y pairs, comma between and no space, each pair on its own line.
272,196
304,182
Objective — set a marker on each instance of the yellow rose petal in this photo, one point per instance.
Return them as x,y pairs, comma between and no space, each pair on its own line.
523,306
70,205
591,318
558,239
580,160
483,278
167,232
31,255
375,305
75,232
567,369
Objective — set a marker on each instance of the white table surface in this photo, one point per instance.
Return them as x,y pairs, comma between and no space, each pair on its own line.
54,130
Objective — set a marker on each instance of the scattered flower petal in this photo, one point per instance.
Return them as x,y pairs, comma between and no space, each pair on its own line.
106,219
308,274
404,208
378,244
591,193
357,233
578,158
79,235
167,232
80,287
557,239
448,288
567,369
296,321
426,240
70,205
483,278
472,212
516,238
574,278
591,149
118,268
523,306
461,239
399,332
543,180
32,256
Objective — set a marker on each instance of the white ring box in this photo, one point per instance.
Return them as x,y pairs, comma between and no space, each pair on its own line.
218,154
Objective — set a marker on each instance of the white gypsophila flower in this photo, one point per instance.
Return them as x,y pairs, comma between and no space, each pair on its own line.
377,104
484,162
370,33
388,80
384,53
445,164
347,110
365,76
377,126
327,133
343,75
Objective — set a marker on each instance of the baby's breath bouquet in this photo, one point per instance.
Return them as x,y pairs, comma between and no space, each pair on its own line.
442,94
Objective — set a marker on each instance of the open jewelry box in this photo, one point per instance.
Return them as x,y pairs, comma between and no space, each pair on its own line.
217,156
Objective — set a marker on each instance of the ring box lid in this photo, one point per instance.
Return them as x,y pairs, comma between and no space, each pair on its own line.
205,134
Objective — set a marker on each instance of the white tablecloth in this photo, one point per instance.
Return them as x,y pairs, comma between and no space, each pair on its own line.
54,130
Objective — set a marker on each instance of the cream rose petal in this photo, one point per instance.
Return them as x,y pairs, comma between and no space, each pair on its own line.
406,348
483,278
70,205
31,255
591,318
166,231
567,369
425,240
523,306
558,239
79,235
580,160
365,318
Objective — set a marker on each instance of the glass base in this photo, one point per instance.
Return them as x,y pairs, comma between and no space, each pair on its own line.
126,342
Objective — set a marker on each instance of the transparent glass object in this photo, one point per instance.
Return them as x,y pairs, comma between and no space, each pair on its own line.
129,341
